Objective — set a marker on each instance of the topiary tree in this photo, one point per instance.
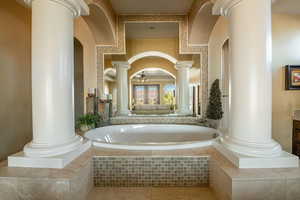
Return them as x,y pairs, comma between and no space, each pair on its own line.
214,108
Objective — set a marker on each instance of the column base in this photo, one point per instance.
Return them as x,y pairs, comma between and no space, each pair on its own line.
279,159
45,150
267,150
184,112
123,113
57,161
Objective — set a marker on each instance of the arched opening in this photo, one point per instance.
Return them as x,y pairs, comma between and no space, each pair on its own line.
110,87
152,91
100,26
152,54
202,24
225,84
78,79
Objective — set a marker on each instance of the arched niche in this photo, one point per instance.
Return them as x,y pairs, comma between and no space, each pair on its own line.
100,25
202,24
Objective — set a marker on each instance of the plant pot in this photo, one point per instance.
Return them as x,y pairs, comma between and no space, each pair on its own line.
214,123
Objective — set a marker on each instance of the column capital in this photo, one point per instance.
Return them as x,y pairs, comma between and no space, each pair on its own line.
184,64
77,7
123,64
223,7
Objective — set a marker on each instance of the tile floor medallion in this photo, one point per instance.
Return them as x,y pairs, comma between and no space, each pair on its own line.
141,171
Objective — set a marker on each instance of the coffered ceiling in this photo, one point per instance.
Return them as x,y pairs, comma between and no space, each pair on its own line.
152,6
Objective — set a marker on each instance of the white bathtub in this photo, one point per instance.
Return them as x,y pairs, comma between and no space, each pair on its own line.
152,136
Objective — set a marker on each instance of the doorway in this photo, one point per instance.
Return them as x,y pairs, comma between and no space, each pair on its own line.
225,85
78,79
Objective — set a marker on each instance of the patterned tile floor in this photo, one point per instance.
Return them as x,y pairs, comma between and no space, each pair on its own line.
151,193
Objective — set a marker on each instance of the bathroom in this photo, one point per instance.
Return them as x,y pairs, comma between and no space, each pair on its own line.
131,99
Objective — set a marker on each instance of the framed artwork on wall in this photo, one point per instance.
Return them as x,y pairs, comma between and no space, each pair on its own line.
292,77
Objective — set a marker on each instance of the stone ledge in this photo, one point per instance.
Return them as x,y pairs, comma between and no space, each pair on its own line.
74,182
232,183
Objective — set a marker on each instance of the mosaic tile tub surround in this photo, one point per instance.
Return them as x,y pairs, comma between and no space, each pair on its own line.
141,171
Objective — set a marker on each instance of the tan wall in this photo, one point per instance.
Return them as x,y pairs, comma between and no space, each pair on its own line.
286,48
15,78
85,36
165,45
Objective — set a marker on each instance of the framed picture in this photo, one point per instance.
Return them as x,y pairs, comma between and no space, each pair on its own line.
292,77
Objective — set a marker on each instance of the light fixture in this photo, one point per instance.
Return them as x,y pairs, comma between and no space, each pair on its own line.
142,77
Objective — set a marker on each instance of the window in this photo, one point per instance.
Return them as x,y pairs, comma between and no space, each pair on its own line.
146,94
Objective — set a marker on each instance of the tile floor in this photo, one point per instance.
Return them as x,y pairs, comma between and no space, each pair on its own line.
151,193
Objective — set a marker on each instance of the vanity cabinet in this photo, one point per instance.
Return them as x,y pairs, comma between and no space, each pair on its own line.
296,137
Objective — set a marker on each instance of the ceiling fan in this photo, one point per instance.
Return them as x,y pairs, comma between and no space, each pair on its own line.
141,77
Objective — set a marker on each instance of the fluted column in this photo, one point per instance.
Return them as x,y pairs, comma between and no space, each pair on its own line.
183,68
250,68
122,87
52,77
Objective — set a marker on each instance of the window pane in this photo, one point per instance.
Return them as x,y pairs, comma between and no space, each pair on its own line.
153,94
139,94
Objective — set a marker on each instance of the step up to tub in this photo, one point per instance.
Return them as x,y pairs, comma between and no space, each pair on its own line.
156,120
141,171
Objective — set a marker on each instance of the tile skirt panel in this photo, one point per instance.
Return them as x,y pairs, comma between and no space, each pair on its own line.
140,171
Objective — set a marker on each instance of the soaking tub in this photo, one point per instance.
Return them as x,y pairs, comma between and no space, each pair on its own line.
152,136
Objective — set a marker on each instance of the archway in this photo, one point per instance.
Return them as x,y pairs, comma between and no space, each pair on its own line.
100,25
78,79
225,84
152,54
150,91
202,22
153,69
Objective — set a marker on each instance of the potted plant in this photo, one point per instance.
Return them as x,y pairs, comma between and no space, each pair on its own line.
88,121
214,109
169,99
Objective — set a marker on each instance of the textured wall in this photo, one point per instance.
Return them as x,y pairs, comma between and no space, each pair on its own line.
15,78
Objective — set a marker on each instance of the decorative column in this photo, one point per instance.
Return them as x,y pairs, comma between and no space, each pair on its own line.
183,87
250,93
122,87
52,82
